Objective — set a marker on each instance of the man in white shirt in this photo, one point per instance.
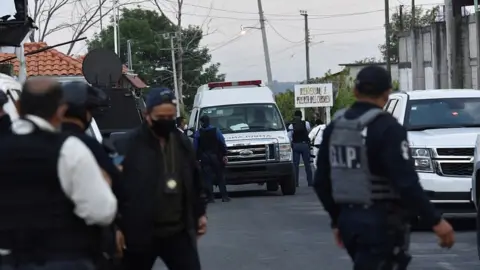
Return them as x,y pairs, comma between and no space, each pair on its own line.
51,189
315,136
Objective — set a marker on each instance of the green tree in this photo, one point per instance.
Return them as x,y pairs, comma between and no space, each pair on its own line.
397,23
150,51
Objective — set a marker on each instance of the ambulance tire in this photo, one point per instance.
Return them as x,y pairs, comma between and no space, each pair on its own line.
272,186
288,185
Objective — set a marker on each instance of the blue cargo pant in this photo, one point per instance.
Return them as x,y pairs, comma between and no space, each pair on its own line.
302,150
53,265
370,240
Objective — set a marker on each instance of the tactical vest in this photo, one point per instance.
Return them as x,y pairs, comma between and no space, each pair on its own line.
352,181
300,132
208,142
37,216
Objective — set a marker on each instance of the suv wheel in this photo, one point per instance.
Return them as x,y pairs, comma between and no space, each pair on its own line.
272,186
288,185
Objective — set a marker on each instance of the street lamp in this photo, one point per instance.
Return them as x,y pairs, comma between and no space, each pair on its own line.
243,31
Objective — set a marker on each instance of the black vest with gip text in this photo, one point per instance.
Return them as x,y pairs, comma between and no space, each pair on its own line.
37,216
352,181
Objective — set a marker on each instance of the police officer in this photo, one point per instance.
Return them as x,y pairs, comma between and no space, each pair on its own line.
51,188
211,151
82,99
366,180
298,133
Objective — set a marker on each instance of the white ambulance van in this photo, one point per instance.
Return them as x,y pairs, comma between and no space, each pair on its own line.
259,149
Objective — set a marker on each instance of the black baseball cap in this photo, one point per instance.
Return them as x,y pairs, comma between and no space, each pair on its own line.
373,81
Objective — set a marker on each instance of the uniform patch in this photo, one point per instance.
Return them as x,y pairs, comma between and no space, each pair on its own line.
405,150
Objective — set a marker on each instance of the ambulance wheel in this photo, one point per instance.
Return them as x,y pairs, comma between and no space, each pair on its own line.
289,186
272,186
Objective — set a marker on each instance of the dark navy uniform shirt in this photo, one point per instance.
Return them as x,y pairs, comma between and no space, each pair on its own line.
386,152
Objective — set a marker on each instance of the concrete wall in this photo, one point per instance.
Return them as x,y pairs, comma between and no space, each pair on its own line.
355,68
440,56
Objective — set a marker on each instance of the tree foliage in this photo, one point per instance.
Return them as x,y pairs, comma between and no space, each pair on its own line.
397,23
150,51
368,60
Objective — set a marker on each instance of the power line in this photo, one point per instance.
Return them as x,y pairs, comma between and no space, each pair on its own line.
280,35
284,15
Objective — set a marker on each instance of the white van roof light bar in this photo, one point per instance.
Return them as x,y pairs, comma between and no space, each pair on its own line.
238,83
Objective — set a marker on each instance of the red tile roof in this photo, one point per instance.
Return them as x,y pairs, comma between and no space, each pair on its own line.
48,63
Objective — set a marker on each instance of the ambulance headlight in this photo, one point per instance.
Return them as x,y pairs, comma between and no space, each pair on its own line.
285,152
422,159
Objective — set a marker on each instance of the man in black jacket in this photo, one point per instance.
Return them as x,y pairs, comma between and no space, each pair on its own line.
162,202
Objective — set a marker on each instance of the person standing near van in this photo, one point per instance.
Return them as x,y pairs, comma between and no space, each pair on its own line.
161,194
298,133
211,151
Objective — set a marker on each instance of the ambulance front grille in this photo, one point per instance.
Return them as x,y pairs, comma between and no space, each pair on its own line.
251,153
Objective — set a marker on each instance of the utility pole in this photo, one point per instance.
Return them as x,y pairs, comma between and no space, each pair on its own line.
413,15
115,30
387,36
265,43
307,43
129,55
477,26
172,36
401,17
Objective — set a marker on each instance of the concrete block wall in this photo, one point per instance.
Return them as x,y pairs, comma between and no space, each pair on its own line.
427,60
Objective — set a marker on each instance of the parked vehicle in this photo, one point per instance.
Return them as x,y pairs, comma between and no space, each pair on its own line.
259,149
442,128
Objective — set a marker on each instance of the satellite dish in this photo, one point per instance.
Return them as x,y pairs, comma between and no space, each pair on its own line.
102,67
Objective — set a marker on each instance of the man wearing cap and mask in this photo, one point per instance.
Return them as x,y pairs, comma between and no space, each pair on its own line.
211,151
366,180
162,202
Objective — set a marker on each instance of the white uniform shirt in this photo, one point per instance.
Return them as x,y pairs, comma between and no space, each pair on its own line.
80,176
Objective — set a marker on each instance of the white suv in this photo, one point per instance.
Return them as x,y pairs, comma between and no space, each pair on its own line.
442,129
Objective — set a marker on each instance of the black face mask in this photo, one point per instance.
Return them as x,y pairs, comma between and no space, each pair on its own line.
163,127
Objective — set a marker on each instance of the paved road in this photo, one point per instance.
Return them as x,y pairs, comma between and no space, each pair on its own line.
259,230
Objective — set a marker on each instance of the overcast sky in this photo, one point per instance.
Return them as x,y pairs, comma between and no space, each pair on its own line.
336,37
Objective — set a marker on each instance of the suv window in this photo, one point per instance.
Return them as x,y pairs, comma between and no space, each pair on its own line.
442,113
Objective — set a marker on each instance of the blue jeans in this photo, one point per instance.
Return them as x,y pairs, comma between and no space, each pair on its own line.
303,150
369,239
54,265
